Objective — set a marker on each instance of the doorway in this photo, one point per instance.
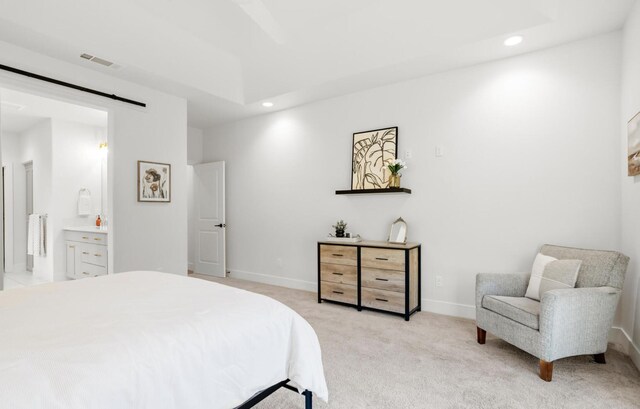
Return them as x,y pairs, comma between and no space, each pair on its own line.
52,151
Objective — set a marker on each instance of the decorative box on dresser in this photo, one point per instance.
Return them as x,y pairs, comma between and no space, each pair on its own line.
373,275
86,251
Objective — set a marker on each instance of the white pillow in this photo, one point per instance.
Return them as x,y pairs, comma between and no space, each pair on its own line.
533,290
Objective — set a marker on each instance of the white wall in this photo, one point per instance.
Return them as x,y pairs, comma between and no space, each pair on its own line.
10,160
194,156
35,146
531,157
630,311
144,236
77,164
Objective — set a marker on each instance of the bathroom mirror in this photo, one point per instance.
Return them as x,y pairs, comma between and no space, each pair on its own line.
398,232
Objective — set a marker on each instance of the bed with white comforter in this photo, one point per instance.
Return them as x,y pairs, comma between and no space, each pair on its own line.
149,340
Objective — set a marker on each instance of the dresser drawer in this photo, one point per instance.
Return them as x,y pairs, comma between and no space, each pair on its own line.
385,259
92,254
339,273
339,292
90,270
347,255
390,280
94,238
383,299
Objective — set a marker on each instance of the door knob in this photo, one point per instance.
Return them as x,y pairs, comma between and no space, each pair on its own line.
221,225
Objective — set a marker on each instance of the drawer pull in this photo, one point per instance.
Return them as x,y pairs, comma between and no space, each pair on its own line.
337,274
85,237
97,239
98,255
85,273
382,258
85,252
382,299
337,255
338,292
382,279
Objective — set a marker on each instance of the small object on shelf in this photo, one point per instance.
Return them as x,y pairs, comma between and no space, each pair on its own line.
398,232
395,167
354,239
98,221
340,227
394,180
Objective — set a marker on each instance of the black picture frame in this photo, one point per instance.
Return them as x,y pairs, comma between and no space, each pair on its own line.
362,141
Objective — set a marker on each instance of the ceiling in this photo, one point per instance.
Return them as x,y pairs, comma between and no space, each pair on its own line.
228,56
20,111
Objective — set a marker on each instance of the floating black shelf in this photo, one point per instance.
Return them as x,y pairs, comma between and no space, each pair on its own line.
365,191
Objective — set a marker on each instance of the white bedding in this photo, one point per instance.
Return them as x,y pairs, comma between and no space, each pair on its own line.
149,340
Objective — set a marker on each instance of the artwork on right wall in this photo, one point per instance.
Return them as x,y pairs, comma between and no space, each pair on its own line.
633,151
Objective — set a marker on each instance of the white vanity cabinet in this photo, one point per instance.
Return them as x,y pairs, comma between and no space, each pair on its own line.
86,252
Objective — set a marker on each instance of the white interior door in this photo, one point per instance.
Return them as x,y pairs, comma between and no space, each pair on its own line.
210,257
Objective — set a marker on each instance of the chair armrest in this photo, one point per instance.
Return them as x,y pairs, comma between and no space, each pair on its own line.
577,321
511,285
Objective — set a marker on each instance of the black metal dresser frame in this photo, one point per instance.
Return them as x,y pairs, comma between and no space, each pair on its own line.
407,312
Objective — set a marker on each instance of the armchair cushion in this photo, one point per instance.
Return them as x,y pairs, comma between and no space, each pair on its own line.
559,274
539,263
520,309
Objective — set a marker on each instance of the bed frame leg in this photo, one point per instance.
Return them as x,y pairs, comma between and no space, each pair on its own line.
308,399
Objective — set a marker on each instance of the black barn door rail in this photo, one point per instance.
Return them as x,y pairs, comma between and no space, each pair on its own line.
72,86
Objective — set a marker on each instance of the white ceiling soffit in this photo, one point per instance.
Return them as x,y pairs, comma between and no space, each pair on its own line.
123,32
228,56
261,15
20,111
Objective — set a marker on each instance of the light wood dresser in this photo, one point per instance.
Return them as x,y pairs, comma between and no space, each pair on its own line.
374,275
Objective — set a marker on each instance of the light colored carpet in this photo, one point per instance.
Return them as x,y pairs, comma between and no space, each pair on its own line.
375,360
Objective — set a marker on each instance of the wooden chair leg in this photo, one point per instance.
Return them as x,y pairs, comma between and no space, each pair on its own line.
546,370
599,358
482,336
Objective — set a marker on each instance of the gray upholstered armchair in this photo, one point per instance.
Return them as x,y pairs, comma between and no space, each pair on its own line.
564,322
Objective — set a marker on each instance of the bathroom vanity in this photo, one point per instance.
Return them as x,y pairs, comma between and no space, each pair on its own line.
86,251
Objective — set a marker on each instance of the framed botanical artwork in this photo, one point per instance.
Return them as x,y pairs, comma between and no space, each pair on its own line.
154,182
372,151
633,151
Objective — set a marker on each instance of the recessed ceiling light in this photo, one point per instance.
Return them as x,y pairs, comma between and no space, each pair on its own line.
514,40
267,104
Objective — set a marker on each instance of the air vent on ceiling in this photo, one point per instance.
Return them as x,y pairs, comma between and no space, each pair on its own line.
98,60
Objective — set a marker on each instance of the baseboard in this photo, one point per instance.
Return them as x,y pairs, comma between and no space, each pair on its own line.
274,280
620,337
449,308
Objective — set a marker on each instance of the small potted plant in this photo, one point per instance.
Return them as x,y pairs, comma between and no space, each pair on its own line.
395,167
340,227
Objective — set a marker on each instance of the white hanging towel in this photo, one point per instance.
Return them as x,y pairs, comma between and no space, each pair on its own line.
36,235
84,203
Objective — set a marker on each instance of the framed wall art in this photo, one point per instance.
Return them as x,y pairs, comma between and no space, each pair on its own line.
633,151
372,152
154,182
